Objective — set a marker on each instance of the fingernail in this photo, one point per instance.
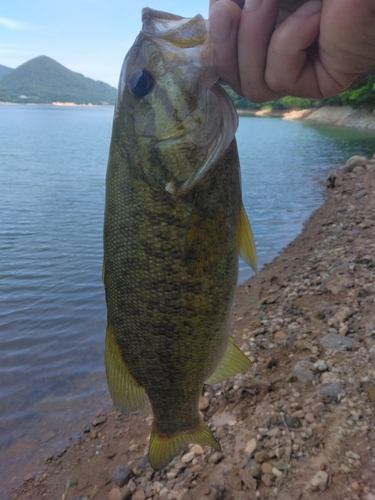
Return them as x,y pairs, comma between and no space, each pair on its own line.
310,8
220,23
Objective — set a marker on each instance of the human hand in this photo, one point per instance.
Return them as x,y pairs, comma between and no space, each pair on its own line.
265,49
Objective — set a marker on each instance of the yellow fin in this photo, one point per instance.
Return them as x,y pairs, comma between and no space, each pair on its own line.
246,242
127,394
234,361
163,448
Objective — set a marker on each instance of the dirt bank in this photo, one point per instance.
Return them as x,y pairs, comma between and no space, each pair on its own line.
300,423
341,116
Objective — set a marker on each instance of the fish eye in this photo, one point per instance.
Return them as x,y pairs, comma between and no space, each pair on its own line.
141,82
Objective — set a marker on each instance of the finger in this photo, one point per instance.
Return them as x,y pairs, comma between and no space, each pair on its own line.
224,23
240,3
258,21
292,63
347,38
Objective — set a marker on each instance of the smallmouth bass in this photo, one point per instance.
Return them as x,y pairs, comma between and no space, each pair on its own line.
174,226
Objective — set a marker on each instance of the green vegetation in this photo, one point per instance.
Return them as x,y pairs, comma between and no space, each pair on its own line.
4,70
43,80
362,96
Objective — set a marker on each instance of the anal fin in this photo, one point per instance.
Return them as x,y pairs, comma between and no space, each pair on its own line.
164,448
234,361
128,396
245,238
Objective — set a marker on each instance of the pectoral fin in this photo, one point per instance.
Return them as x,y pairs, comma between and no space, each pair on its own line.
164,448
234,361
246,242
127,394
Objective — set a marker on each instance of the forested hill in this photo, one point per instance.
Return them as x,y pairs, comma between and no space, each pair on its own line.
4,70
362,96
43,80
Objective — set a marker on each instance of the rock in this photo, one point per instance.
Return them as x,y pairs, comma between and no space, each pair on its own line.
215,457
203,491
360,194
99,421
188,457
330,392
262,383
319,481
114,494
337,342
267,479
139,495
329,378
261,456
279,335
121,475
70,485
250,447
343,314
303,370
266,468
276,472
321,365
234,481
126,494
352,162
203,403
248,479
197,449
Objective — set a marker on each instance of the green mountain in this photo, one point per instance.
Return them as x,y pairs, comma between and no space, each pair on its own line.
4,70
43,80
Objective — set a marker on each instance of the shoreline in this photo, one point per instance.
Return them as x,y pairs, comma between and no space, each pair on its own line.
338,116
301,420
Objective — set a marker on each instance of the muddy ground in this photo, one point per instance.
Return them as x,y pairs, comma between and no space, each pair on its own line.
300,423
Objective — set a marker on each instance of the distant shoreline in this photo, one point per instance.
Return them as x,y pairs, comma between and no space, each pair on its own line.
340,116
58,104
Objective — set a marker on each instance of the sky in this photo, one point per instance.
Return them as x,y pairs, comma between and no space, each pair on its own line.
87,36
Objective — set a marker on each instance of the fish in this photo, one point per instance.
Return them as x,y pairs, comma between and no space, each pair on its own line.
174,226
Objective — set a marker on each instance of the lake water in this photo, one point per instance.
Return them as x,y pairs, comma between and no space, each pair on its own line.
52,308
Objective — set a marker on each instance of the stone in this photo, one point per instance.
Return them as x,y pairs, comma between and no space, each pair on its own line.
188,457
266,468
99,421
321,365
330,392
126,494
203,403
197,449
261,456
70,485
267,479
319,481
279,335
250,447
121,475
139,495
215,457
329,377
234,481
337,342
248,479
352,162
303,370
276,472
114,494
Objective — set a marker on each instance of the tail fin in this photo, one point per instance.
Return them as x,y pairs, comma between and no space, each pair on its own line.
163,449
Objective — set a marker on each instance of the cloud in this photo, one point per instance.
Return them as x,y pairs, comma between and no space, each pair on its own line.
10,24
